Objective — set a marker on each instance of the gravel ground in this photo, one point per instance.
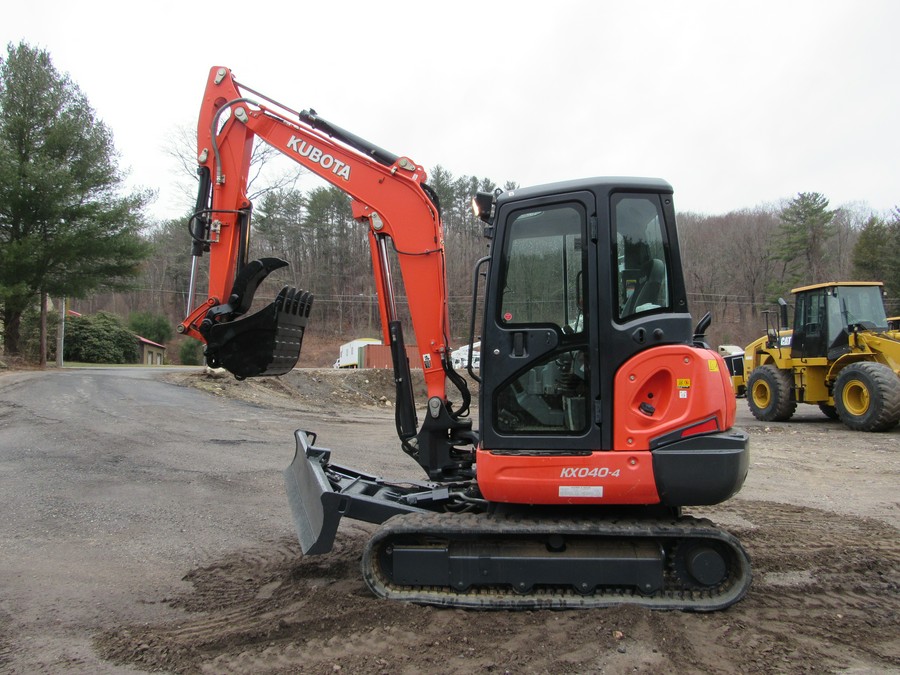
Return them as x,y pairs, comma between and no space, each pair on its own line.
145,528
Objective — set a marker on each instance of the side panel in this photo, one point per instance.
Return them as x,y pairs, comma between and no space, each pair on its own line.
592,478
693,471
671,392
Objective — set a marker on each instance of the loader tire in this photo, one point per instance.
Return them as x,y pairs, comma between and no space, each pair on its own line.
867,396
829,411
769,394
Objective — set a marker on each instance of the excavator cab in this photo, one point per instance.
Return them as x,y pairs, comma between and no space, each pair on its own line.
587,352
560,294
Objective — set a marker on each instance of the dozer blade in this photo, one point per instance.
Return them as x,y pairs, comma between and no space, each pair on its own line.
307,489
320,494
265,343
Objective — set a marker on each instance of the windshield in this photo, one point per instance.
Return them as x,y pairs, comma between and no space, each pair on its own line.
851,305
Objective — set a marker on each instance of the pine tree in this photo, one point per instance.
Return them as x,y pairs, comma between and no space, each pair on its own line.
803,242
876,256
65,229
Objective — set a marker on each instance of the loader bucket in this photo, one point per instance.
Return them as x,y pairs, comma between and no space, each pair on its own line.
265,343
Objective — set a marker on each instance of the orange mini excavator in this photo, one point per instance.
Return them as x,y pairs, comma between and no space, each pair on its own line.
601,411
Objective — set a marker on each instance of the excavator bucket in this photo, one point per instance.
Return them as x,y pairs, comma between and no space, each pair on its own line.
265,343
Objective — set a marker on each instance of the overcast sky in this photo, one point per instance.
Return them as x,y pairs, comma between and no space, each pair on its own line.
735,103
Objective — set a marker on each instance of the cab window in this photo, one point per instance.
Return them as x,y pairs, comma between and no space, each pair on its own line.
543,281
642,274
544,265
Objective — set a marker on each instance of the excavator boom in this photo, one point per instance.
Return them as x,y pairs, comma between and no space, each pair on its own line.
388,194
390,197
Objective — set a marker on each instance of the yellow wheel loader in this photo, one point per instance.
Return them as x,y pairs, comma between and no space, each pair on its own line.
841,355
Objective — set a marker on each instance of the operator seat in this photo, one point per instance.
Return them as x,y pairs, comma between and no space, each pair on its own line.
653,273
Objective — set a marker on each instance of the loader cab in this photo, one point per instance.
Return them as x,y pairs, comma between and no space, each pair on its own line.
583,275
826,314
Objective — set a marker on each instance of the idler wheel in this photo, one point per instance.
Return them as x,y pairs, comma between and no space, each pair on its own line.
700,565
706,566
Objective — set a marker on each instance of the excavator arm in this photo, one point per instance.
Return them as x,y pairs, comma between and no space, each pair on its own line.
389,196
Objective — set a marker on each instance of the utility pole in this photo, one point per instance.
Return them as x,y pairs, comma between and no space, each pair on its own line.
61,333
42,347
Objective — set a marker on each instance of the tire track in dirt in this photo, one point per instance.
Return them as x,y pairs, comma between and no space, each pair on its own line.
5,642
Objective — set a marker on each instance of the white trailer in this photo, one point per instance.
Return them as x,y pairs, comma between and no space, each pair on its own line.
351,356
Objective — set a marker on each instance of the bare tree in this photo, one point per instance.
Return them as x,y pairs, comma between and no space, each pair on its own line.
269,169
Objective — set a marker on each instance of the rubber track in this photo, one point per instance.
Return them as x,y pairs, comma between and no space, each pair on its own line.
466,526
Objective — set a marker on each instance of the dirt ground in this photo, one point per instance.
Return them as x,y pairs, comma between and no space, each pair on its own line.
819,516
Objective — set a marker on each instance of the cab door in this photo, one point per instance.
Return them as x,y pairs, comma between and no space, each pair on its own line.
809,339
539,379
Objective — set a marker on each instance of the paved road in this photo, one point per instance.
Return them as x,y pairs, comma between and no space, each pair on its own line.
114,484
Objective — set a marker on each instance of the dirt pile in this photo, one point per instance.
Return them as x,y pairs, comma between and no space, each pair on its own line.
306,387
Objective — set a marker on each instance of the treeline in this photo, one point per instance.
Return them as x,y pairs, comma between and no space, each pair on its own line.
736,265
329,251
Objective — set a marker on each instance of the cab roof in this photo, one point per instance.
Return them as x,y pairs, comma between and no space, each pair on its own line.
834,284
598,184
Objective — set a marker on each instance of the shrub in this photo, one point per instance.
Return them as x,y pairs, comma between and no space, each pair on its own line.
154,327
100,338
191,353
